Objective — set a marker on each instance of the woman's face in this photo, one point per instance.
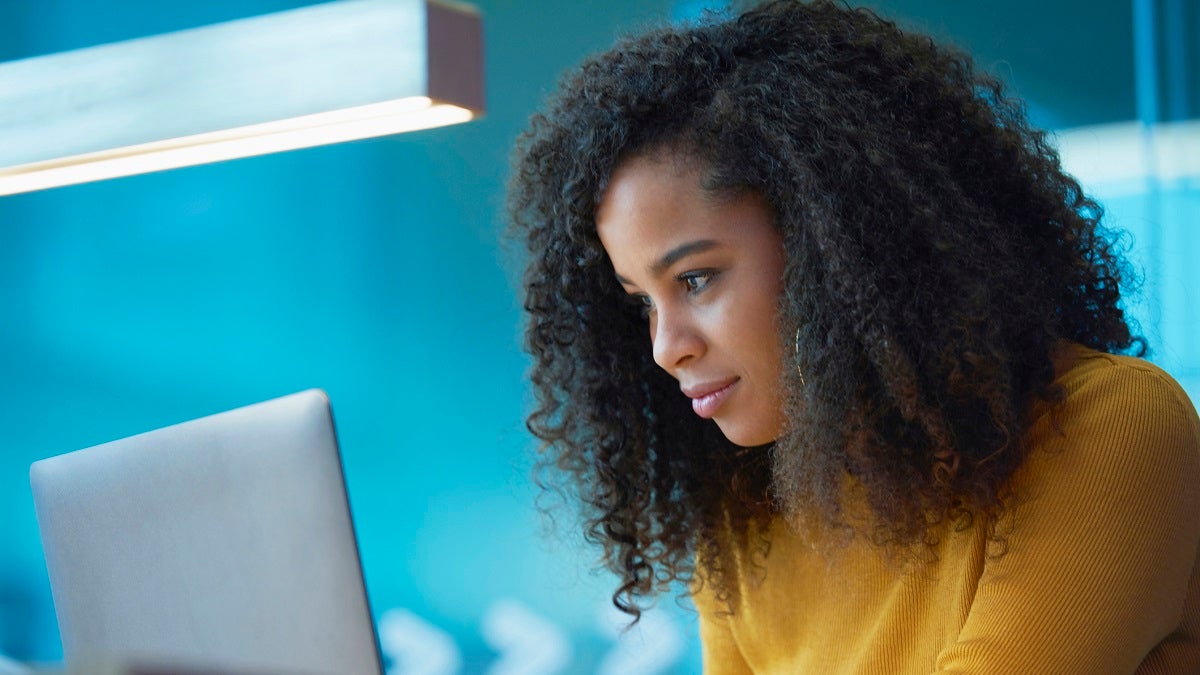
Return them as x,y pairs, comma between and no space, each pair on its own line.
707,271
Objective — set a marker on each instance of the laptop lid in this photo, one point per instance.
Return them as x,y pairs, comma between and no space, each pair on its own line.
223,541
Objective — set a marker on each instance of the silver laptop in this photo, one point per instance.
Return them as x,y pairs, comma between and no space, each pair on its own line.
224,542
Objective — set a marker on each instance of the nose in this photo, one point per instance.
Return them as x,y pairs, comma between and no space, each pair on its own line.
676,339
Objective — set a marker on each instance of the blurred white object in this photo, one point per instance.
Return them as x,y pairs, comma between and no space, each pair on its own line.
1121,158
653,645
415,646
10,667
528,643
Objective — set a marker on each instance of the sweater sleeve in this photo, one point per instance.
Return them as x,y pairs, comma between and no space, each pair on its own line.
718,648
1101,539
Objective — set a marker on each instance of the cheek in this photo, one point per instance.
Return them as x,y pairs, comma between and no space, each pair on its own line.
754,333
762,317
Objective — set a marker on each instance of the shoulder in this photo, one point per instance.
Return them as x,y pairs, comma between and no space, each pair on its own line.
1116,394
1084,373
1099,538
1123,424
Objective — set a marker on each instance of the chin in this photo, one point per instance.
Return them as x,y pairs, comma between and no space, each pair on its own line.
747,437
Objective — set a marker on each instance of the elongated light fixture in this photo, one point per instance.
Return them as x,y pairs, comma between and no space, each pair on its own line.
328,73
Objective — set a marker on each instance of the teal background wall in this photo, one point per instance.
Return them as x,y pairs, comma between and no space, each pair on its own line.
375,270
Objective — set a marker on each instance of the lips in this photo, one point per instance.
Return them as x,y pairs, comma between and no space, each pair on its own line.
708,397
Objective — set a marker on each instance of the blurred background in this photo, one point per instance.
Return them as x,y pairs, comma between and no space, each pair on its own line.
376,270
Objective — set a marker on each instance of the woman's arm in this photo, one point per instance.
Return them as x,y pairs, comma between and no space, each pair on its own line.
1101,539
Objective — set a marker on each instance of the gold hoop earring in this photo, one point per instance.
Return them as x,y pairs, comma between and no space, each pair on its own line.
796,353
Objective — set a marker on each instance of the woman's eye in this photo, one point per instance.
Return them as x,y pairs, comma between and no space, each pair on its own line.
697,281
643,302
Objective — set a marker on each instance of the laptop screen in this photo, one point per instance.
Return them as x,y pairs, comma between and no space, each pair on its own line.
225,541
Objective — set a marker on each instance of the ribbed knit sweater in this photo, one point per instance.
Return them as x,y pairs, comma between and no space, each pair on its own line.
1099,574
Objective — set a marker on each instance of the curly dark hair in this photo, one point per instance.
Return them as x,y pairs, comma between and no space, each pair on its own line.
937,255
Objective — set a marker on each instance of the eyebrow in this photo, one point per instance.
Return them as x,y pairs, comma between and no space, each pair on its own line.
675,255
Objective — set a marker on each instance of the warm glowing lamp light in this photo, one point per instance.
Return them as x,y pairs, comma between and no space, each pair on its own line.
328,73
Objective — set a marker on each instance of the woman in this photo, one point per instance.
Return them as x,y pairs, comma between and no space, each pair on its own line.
821,328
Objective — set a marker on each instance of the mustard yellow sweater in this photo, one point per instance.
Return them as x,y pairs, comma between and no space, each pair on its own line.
1100,574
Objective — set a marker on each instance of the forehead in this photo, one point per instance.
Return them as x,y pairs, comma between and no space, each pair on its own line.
654,195
654,205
